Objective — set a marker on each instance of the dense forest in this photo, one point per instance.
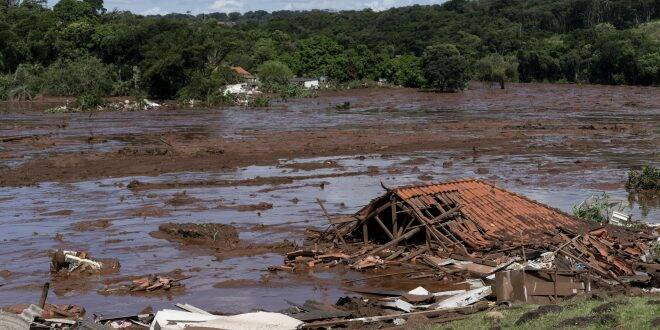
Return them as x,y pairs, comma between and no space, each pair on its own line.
78,46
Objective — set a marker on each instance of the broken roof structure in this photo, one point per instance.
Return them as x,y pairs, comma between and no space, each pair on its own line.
474,213
472,219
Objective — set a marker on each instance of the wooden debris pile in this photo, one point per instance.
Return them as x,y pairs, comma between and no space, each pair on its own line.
472,229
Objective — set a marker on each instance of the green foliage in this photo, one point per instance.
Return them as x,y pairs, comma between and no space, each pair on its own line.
595,211
592,41
407,71
89,100
444,68
497,68
274,73
74,77
646,179
260,102
206,85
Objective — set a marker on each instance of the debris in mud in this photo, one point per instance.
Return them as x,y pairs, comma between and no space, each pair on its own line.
49,311
147,284
208,234
472,230
65,263
181,198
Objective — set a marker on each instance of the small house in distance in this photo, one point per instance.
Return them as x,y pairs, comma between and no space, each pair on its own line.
308,83
245,76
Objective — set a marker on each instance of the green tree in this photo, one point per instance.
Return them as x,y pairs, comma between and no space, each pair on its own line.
407,71
445,68
497,68
73,10
273,74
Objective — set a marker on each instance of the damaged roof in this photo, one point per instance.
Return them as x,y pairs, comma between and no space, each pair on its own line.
488,213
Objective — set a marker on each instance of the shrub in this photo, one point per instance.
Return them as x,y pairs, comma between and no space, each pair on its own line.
444,68
206,85
260,102
6,82
646,179
74,77
89,100
595,210
273,74
497,68
407,71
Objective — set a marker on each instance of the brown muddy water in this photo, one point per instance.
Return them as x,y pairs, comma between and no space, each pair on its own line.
557,144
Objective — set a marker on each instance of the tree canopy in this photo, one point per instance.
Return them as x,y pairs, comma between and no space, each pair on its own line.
591,41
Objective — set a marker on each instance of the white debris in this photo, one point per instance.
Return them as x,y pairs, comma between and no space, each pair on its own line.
150,104
178,320
399,304
75,261
419,291
465,299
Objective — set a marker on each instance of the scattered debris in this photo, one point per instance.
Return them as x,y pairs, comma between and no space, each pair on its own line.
64,263
150,284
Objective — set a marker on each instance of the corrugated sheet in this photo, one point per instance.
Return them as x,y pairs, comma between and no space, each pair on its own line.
498,214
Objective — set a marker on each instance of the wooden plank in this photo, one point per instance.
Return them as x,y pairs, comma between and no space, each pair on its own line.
382,225
343,219
395,241
395,221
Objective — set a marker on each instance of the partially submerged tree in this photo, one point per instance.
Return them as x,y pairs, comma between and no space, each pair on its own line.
497,68
444,68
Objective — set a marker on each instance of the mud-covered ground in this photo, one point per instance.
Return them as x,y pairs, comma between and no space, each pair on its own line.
105,182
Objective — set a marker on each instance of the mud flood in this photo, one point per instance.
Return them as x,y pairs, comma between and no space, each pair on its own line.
106,182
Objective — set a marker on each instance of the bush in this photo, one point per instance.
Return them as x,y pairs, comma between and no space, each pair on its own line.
646,179
497,68
273,74
594,209
206,85
75,77
89,100
445,68
407,71
289,91
260,102
6,82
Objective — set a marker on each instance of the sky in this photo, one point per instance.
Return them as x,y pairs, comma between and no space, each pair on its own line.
147,7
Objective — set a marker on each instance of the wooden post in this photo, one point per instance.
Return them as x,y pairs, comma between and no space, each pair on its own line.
365,233
382,225
44,295
395,224
395,241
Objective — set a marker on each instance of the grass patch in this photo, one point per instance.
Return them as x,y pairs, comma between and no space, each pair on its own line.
625,313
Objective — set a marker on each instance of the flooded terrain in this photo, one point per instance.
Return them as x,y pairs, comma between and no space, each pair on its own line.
105,182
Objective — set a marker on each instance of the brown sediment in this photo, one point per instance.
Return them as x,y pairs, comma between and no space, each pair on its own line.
149,211
262,206
236,284
136,185
181,198
63,213
91,225
210,235
310,166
